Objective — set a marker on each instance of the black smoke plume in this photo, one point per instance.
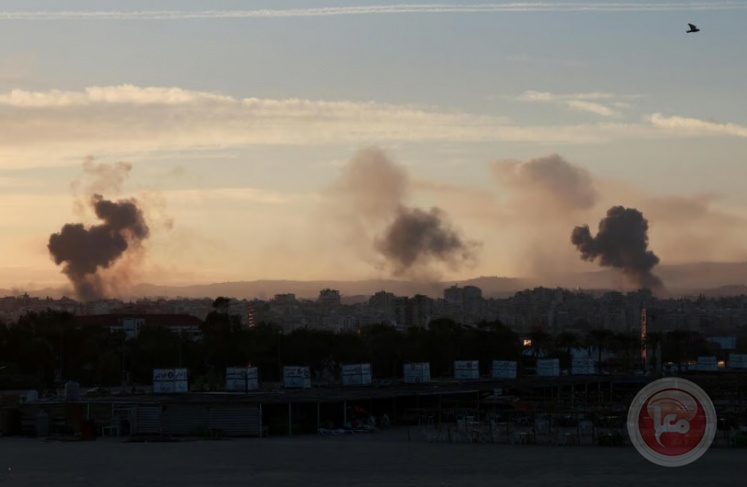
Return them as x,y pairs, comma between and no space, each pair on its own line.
370,201
87,251
417,236
621,243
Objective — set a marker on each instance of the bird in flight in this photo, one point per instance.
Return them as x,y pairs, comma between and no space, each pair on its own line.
692,29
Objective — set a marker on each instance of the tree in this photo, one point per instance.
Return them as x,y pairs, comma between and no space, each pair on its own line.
628,343
601,339
225,341
264,341
565,341
494,341
541,341
385,345
676,345
654,340
221,304
445,338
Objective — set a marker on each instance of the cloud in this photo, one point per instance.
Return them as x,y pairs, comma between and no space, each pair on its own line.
55,127
109,95
47,128
374,10
696,127
580,101
549,182
587,106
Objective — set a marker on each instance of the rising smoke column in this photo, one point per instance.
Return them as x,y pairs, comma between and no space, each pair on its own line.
546,185
369,199
417,236
543,197
86,251
621,243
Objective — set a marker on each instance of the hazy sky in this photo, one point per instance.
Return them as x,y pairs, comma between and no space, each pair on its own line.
237,121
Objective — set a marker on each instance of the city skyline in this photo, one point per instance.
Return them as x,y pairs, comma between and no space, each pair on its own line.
519,122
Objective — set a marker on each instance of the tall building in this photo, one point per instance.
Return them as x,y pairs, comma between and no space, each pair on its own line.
401,307
382,306
329,298
454,299
420,310
473,305
465,305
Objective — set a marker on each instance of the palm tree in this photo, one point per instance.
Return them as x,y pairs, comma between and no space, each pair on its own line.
677,341
540,340
627,342
654,340
601,339
565,341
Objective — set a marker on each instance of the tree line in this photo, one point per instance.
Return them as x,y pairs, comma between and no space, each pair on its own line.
44,350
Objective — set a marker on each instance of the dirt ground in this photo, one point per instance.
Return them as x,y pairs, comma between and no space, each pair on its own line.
377,459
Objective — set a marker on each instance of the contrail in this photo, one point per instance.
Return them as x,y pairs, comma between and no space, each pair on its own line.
371,10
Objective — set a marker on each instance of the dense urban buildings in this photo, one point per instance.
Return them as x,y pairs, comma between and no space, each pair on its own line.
554,310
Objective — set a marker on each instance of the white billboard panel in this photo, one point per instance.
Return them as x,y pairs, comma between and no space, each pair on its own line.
242,379
167,381
296,377
162,387
737,361
583,366
466,369
417,373
548,367
707,364
504,369
357,375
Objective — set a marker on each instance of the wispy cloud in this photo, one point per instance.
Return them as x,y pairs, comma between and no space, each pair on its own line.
587,102
695,127
375,9
61,127
232,196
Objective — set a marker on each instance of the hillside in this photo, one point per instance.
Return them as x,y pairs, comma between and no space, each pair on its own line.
708,278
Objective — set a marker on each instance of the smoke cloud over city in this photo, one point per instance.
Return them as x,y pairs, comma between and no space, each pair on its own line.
621,243
99,259
417,236
369,200
547,184
540,198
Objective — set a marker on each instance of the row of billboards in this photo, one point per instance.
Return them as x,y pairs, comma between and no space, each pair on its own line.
245,379
711,364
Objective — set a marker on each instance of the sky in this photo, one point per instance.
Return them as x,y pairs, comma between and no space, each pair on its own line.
241,123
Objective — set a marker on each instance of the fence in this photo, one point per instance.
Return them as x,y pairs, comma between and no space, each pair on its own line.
545,429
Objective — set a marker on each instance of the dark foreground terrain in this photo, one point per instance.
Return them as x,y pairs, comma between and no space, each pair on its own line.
379,459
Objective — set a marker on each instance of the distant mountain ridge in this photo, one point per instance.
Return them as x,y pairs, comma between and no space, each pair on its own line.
266,289
708,278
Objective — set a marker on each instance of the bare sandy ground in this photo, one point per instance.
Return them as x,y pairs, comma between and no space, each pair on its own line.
379,459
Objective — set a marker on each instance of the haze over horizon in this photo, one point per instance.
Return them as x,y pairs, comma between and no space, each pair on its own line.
396,140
